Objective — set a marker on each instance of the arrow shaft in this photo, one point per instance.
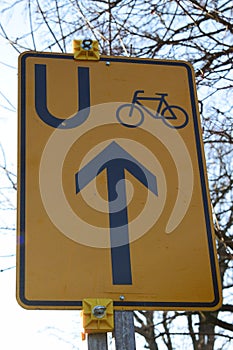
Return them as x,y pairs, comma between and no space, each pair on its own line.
116,160
119,235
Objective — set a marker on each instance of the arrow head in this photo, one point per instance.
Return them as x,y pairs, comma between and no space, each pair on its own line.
111,157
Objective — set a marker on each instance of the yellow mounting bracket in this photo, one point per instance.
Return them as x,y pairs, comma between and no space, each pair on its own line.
97,315
86,49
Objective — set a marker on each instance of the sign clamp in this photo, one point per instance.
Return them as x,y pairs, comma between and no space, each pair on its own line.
97,316
86,49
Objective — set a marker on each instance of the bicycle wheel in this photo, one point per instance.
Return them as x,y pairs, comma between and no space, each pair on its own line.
130,121
174,117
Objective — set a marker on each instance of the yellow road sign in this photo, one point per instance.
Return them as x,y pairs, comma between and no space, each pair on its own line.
113,199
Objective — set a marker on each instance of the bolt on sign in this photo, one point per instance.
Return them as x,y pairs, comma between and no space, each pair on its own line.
113,196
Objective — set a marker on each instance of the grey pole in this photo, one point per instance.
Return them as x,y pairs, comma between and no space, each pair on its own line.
97,341
124,330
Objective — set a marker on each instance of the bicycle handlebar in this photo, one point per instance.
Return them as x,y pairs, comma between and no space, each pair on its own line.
161,94
135,96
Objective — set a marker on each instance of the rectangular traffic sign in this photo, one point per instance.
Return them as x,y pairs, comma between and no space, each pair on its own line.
113,196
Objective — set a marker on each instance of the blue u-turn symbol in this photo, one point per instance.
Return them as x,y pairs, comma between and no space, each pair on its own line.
83,99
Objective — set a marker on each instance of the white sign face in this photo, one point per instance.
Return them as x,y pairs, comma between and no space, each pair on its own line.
113,197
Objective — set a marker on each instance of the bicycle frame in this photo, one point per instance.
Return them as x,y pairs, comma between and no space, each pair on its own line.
161,99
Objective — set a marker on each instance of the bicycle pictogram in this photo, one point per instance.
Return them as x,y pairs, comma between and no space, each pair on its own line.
131,114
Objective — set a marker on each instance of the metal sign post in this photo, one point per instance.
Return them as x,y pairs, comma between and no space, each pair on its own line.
97,341
124,330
